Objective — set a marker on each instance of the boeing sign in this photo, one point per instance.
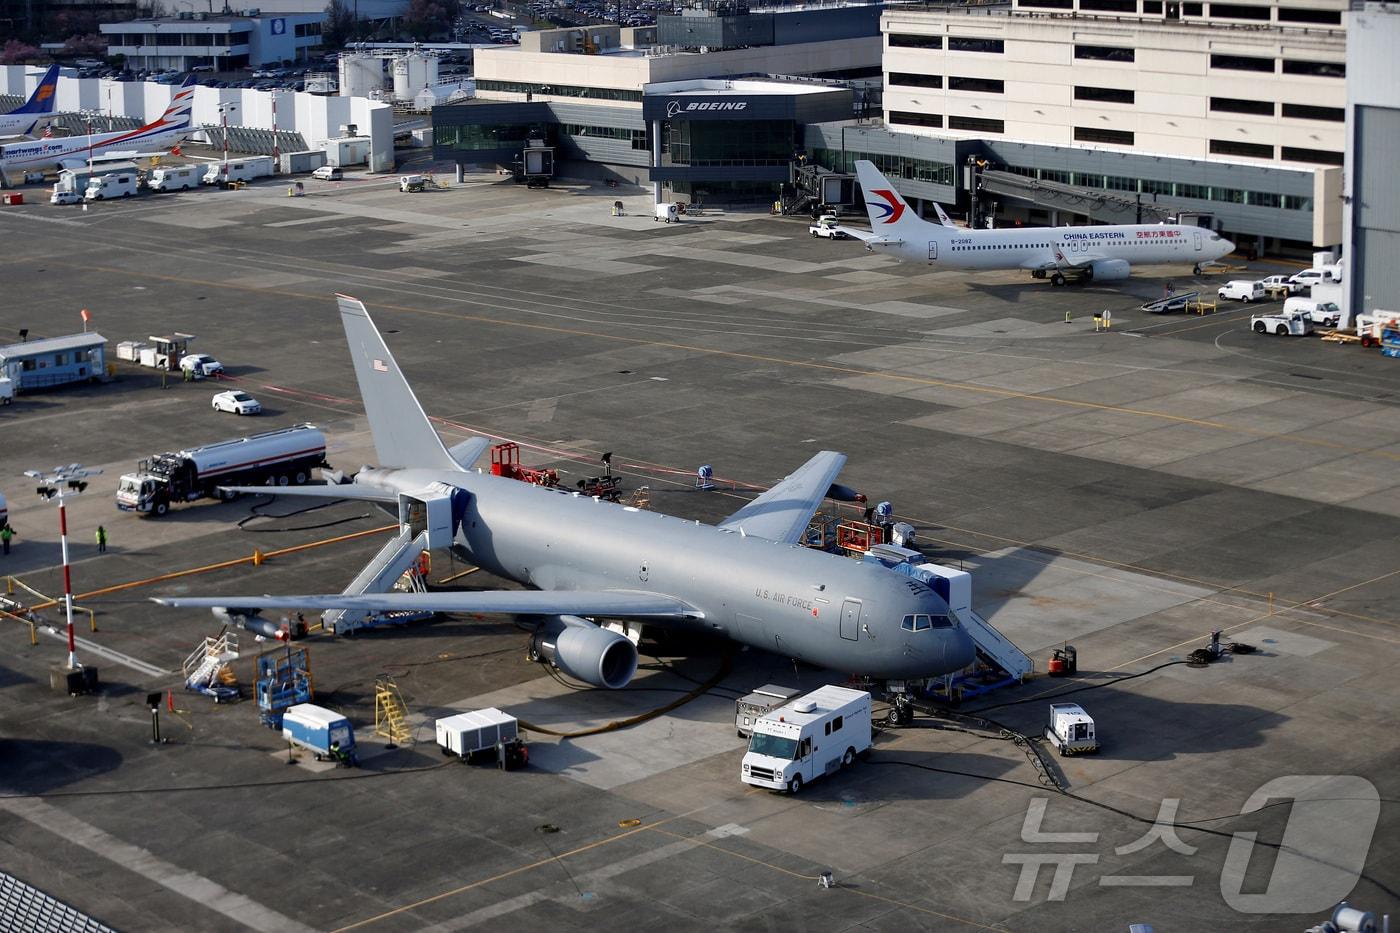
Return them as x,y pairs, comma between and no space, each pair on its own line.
675,108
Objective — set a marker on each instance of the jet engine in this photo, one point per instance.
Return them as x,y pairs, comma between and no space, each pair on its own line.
586,652
1108,270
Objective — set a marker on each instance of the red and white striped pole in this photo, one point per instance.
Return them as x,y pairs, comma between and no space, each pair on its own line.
67,581
69,480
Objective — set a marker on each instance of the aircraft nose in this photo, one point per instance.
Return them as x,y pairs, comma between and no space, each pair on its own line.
1226,247
958,649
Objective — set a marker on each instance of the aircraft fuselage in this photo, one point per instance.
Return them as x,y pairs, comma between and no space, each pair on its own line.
795,601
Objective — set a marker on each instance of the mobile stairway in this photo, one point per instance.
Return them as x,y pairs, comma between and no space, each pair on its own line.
955,586
208,669
380,575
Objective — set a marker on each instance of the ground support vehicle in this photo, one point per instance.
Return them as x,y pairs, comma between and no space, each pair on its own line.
810,737
275,458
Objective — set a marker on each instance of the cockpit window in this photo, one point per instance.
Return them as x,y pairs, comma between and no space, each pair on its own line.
922,623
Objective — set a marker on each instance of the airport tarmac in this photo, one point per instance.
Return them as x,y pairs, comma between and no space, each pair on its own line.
1128,491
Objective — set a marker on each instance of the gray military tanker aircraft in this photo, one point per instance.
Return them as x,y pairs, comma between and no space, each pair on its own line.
597,571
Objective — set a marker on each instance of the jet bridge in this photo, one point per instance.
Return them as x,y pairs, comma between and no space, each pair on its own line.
1112,207
426,521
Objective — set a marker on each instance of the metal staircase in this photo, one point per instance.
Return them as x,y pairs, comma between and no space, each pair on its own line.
379,576
207,669
390,713
955,586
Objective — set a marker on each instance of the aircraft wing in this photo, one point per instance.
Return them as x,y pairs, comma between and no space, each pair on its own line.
124,155
782,513
611,604
857,234
342,491
1061,263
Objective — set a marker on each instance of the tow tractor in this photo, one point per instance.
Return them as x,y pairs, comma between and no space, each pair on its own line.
505,461
1071,730
1284,323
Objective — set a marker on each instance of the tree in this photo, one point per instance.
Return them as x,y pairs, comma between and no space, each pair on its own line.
16,52
340,26
425,18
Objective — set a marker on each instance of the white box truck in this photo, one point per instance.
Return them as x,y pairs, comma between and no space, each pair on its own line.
176,177
224,173
324,732
810,737
111,185
274,458
481,734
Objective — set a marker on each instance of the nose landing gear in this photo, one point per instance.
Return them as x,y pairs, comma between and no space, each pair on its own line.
901,710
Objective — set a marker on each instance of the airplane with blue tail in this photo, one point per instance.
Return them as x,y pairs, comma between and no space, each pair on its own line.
24,120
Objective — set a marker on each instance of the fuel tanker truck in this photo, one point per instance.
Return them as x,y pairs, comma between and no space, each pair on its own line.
275,458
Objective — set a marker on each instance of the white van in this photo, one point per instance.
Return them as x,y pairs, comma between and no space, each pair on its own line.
111,185
813,735
176,177
1241,290
1325,313
221,173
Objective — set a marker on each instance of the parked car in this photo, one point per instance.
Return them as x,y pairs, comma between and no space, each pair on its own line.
201,364
1241,290
328,173
66,197
237,403
1281,281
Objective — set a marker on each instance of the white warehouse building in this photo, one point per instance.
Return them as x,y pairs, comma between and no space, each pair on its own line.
315,117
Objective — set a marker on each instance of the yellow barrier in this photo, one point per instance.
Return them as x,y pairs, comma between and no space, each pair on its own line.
33,637
258,558
48,602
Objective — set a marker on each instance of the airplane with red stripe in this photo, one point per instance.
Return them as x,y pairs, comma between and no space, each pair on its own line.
153,139
1094,253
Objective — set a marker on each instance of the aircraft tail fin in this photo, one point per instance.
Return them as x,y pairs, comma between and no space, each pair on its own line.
890,214
177,115
403,435
45,95
943,218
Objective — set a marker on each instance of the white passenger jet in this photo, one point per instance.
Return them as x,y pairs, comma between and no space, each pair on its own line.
25,119
1091,253
75,151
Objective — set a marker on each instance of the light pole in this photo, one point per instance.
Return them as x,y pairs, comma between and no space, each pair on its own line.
223,121
63,481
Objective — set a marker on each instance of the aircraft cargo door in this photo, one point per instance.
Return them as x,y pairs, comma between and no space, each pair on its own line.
850,620
932,250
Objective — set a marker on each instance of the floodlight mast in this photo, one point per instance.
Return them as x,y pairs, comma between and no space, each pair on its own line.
62,482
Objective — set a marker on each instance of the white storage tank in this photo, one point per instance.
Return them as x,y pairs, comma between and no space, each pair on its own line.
413,72
360,75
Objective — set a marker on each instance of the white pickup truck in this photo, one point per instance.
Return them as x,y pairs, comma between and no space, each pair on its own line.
828,226
1284,324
